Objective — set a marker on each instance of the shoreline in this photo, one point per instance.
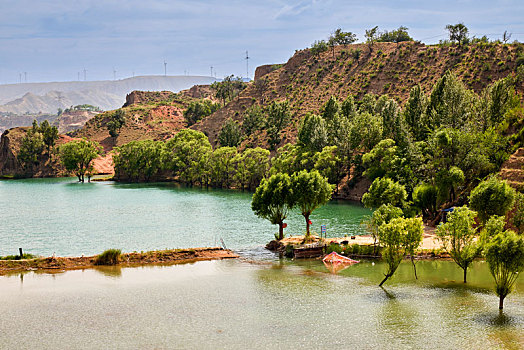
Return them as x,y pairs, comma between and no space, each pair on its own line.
156,257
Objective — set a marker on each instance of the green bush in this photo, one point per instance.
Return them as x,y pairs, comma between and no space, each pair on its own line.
17,257
334,247
109,257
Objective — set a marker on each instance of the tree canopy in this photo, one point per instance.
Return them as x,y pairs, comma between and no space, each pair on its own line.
77,156
273,199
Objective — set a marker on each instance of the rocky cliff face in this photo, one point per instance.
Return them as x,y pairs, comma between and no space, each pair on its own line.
9,147
48,165
73,120
10,166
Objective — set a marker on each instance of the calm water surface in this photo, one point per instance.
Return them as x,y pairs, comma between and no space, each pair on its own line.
271,305
233,304
46,216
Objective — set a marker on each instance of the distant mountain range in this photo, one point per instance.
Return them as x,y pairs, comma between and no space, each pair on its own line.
30,98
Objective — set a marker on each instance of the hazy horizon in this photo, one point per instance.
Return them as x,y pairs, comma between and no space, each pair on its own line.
51,40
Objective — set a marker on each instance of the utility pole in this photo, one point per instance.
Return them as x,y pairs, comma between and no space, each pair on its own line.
247,65
25,77
114,73
211,70
85,74
165,68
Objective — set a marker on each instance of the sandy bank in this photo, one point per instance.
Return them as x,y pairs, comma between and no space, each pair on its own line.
175,256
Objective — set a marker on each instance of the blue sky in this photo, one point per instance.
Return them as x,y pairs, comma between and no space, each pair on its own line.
54,40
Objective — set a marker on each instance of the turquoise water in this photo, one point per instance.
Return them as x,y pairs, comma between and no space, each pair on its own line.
62,216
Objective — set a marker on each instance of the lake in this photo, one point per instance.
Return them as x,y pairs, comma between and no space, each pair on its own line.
62,216
258,301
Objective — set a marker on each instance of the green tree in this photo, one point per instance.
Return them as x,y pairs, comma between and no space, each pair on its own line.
447,182
278,118
115,123
50,135
413,239
381,160
230,135
501,98
425,198
367,103
459,237
222,166
395,36
318,47
273,199
372,36
518,215
505,258
312,133
492,197
383,215
458,33
228,88
365,131
31,148
385,191
348,108
343,38
254,120
197,110
189,156
450,104
329,164
78,155
285,160
138,160
252,167
311,190
414,113
399,237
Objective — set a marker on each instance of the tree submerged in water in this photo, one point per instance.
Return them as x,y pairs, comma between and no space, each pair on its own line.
399,237
77,156
458,237
505,258
273,199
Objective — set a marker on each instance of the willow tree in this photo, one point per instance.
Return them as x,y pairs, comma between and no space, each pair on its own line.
273,199
505,257
398,237
459,237
383,215
311,190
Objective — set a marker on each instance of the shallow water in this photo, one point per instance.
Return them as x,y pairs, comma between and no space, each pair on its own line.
236,305
46,216
233,304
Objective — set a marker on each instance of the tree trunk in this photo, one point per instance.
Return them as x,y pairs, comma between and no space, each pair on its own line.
280,231
414,267
384,280
465,272
501,302
306,216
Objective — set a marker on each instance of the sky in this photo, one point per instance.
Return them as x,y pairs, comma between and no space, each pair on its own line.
55,40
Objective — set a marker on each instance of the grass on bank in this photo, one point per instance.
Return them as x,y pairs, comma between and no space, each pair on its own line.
109,257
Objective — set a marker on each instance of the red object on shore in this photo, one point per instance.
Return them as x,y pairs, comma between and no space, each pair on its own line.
336,258
284,225
309,222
